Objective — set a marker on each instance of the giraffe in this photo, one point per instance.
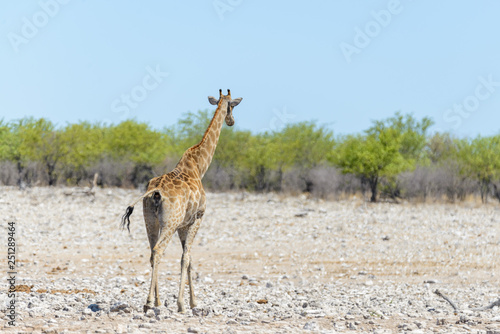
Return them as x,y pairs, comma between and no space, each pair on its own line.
176,202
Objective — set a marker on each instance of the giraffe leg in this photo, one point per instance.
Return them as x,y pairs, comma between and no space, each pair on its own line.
153,230
156,254
192,299
152,288
157,294
187,235
157,291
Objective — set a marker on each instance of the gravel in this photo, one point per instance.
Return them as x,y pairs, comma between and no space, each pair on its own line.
263,263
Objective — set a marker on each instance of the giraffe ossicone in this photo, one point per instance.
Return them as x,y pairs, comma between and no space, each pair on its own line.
176,202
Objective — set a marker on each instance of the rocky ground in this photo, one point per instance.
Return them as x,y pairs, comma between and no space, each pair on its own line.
264,264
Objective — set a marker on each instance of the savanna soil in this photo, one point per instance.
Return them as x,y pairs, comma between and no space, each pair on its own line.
263,264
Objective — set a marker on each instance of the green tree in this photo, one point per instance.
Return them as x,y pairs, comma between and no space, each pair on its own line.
260,159
411,133
441,147
135,142
83,147
39,142
370,157
302,146
388,148
187,131
8,143
138,143
231,154
480,159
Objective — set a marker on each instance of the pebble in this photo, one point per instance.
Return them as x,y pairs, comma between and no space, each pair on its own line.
94,307
118,307
352,326
311,326
201,312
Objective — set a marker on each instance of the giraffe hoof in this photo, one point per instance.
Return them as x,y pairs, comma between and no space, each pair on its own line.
181,309
147,307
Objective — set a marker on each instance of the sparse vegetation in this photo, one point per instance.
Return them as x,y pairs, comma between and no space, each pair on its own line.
394,158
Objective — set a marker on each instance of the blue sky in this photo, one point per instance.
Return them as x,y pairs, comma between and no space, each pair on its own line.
341,63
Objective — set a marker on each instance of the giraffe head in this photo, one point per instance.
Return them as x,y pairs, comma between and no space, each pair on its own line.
230,104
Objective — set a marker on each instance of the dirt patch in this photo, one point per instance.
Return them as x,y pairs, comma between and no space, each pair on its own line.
23,288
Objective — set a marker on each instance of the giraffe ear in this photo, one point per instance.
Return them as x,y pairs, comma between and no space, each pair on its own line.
235,102
212,100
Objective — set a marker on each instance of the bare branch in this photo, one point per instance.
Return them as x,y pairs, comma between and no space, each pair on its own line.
484,308
94,183
437,292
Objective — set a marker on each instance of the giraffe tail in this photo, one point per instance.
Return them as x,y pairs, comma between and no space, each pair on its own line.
126,217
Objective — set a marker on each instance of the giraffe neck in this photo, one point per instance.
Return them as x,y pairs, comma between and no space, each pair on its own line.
204,151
